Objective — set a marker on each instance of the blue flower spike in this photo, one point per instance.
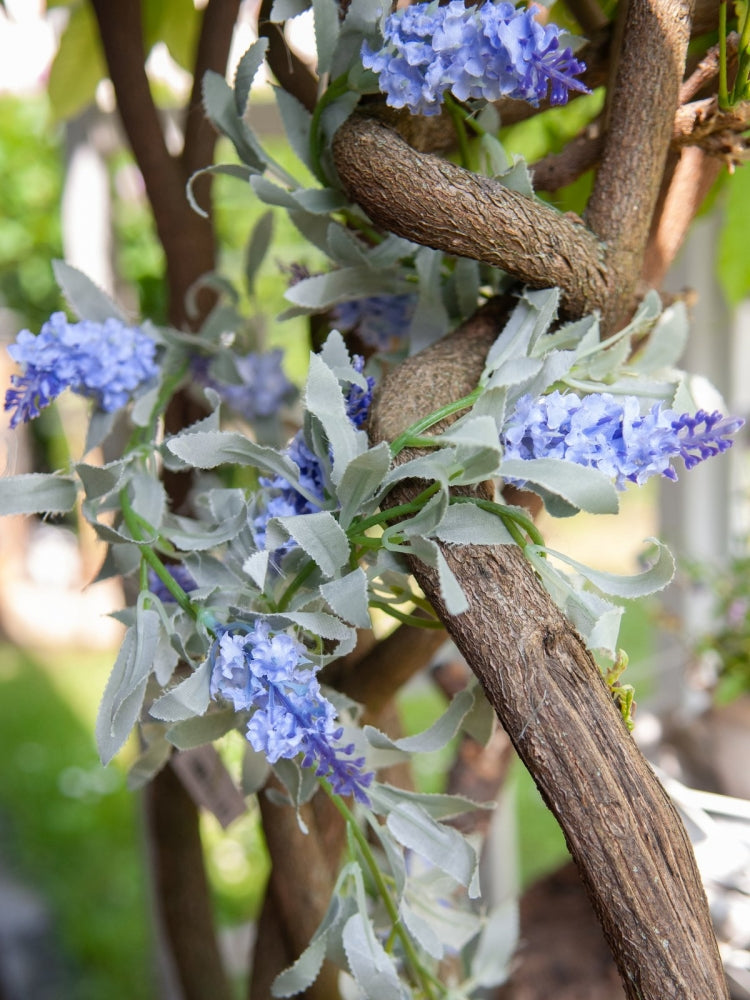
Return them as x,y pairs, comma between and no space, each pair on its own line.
611,434
105,361
255,669
493,51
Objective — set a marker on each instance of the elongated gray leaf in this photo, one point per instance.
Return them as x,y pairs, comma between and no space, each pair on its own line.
369,962
584,487
319,535
192,536
347,596
439,806
428,552
497,943
285,10
441,845
422,931
209,449
37,493
256,567
201,729
345,248
514,371
247,70
151,760
326,20
123,696
480,722
255,770
148,498
530,318
439,734
430,319
324,290
188,698
257,248
272,194
325,402
666,342
467,524
238,170
361,479
86,299
99,480
597,620
304,972
651,580
220,108
425,522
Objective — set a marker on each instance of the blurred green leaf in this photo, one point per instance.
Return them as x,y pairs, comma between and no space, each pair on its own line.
78,66
174,22
733,260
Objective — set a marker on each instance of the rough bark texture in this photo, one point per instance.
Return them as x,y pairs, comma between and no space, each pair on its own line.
623,832
451,209
650,47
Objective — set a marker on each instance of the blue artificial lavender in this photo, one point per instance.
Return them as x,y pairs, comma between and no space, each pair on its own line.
106,361
491,52
257,670
611,434
264,386
284,499
380,321
180,574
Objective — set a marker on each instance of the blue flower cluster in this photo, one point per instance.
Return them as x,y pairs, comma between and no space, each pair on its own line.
285,500
106,361
257,670
611,434
380,320
264,386
493,51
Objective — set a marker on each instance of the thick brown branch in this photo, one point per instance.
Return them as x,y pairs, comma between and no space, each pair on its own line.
438,204
186,237
385,668
581,154
217,26
640,112
690,182
181,888
630,846
301,881
704,124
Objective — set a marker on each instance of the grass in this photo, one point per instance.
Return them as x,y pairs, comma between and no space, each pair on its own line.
70,829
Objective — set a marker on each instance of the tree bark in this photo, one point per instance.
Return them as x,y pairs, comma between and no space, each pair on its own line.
623,832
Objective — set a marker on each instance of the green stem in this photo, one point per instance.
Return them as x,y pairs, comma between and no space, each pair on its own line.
511,518
458,117
419,972
724,101
295,585
739,90
384,516
404,617
402,441
135,525
337,88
